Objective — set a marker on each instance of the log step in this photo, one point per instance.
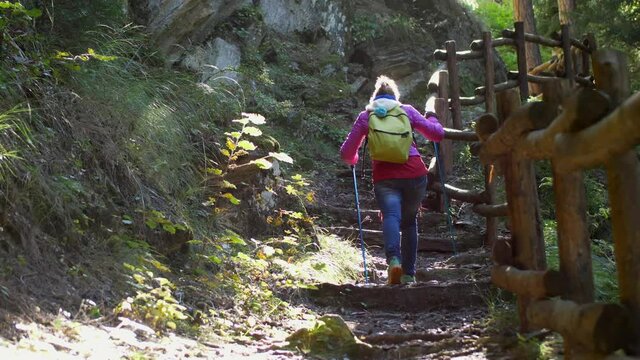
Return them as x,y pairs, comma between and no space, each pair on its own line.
438,242
417,298
348,215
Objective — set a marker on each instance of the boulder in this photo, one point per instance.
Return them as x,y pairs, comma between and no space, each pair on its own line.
175,24
313,19
216,61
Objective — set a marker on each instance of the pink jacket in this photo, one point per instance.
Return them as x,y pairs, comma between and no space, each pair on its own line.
429,127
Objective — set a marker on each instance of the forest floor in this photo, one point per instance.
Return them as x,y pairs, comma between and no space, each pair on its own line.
452,312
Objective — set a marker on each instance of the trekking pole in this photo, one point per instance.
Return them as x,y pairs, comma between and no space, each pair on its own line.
364,155
446,199
364,258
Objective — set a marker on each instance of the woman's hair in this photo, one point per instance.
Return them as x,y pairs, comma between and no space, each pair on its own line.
385,86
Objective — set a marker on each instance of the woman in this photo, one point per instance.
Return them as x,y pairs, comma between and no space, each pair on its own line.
398,187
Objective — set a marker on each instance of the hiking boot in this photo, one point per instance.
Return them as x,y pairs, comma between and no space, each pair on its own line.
394,271
407,279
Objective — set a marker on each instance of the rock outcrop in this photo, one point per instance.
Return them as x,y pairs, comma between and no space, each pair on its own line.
370,37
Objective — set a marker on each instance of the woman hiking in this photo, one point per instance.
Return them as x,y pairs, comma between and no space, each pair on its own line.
399,180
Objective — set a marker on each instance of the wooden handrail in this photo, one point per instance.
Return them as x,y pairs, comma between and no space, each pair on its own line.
487,210
616,133
541,40
531,283
509,84
473,197
441,55
479,44
600,328
460,135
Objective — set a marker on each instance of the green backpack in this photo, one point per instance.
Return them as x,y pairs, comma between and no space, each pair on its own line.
390,136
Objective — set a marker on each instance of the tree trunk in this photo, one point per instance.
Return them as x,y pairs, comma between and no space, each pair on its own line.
565,10
523,11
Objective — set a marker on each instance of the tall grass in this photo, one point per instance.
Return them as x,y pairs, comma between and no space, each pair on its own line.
14,133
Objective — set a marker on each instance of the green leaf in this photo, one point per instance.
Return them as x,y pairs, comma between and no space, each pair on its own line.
151,223
169,228
227,185
214,259
217,172
297,177
235,239
262,163
234,134
33,13
243,256
231,198
231,145
225,152
291,190
282,157
241,121
247,145
254,118
252,131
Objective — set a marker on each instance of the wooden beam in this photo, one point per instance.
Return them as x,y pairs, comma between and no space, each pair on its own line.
580,45
461,55
510,34
472,100
468,196
580,110
495,210
479,45
446,146
443,89
599,328
616,134
522,197
460,135
611,70
569,72
490,108
542,79
510,84
574,243
434,82
529,283
531,116
486,125
521,52
502,252
454,84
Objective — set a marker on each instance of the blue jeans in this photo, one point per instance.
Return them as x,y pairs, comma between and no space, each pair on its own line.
399,200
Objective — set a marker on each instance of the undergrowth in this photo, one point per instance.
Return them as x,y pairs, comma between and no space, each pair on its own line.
119,174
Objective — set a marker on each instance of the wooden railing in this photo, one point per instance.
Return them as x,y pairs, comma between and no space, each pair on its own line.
598,125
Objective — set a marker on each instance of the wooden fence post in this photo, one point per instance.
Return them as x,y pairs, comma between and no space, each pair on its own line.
490,107
521,51
445,118
610,69
574,243
454,84
524,209
569,72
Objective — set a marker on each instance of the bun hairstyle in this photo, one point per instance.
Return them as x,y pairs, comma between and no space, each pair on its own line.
385,86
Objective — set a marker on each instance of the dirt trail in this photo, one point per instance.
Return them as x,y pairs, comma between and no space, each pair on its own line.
442,316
